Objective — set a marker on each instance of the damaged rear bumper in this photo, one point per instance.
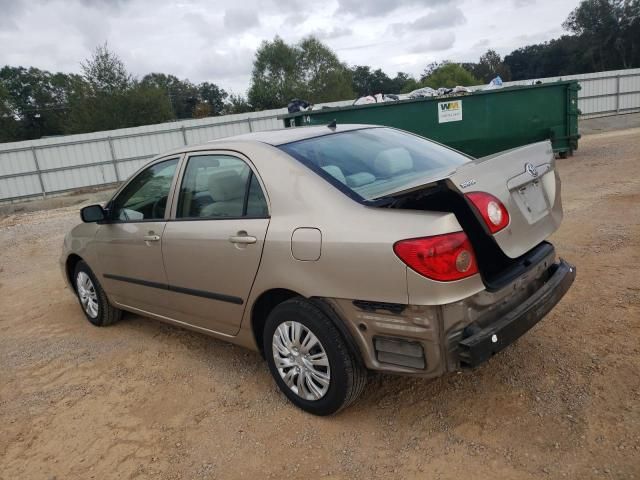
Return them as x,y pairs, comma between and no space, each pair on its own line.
480,343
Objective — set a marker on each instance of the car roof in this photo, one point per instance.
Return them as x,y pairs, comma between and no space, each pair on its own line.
288,135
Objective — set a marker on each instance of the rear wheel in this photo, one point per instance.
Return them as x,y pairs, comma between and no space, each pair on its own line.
309,359
92,297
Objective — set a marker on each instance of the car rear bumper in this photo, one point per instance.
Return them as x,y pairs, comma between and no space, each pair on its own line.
480,343
430,340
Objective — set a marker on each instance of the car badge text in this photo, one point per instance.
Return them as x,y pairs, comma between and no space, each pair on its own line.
468,183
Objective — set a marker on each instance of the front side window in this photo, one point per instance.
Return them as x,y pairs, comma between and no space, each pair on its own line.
145,197
372,162
220,186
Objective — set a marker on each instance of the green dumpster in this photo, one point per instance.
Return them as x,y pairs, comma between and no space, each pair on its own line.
479,123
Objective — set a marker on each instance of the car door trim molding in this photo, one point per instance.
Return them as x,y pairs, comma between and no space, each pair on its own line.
173,288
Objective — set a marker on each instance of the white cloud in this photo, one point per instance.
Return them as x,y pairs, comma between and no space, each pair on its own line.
438,19
216,41
436,43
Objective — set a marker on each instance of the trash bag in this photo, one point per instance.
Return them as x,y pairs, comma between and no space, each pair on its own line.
495,83
460,89
297,105
423,92
365,100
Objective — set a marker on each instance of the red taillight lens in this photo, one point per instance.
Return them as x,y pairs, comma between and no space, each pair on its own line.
442,257
493,212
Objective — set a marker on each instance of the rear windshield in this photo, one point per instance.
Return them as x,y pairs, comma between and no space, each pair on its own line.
375,161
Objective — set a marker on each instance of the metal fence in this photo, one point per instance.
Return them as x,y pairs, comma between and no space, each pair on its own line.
55,165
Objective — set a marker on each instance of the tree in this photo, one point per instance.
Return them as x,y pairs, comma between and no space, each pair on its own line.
37,100
307,70
110,98
276,76
212,95
236,104
448,75
105,72
324,78
8,120
489,65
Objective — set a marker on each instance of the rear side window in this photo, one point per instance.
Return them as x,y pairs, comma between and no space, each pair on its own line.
220,186
373,161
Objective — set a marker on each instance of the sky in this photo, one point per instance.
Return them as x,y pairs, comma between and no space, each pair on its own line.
215,41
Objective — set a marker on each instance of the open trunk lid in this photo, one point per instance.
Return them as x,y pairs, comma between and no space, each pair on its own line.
523,179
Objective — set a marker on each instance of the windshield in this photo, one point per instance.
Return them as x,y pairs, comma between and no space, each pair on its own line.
374,161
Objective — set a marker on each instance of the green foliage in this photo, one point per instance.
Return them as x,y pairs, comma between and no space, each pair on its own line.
448,75
324,78
185,98
35,103
489,65
236,104
105,72
276,76
307,70
370,82
138,105
109,98
606,36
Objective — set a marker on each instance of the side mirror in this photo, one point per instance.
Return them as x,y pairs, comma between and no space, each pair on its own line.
92,213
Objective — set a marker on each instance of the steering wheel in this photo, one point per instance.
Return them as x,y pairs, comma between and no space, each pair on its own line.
159,207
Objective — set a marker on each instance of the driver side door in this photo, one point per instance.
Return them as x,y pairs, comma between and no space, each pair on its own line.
129,243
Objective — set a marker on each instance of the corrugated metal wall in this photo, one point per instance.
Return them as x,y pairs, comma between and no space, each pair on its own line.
603,93
53,165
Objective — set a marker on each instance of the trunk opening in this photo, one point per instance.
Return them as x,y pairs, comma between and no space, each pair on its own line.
496,269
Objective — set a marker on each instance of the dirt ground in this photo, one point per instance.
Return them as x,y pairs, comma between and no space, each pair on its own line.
142,399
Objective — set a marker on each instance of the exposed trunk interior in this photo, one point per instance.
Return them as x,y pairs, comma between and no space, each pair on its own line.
496,269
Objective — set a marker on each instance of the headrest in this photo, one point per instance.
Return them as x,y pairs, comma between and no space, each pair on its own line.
335,172
226,185
360,179
392,161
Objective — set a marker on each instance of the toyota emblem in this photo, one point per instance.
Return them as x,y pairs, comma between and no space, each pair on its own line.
531,170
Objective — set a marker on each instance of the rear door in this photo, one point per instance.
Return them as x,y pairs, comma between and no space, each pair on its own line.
525,181
213,244
129,244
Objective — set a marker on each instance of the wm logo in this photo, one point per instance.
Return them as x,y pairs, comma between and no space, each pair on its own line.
445,107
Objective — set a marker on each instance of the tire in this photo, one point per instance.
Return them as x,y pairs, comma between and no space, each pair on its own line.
318,395
93,300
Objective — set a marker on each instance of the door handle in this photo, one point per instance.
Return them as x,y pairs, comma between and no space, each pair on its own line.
243,239
151,238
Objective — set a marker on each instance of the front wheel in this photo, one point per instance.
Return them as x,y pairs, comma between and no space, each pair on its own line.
93,298
310,360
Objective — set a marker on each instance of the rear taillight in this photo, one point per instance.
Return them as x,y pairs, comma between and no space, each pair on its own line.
493,212
442,257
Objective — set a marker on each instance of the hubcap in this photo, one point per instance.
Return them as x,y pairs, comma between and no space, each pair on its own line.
87,294
301,360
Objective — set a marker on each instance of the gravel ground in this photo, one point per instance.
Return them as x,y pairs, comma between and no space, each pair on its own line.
145,400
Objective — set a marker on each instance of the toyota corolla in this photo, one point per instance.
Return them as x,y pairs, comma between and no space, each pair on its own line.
333,251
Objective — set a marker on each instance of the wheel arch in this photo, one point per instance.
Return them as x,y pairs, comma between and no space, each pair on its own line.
70,267
262,307
270,299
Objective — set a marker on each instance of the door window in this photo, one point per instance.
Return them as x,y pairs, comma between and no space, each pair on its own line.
220,186
145,197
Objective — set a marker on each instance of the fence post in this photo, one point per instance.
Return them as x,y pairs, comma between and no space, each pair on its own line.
113,159
618,93
35,159
184,135
249,123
